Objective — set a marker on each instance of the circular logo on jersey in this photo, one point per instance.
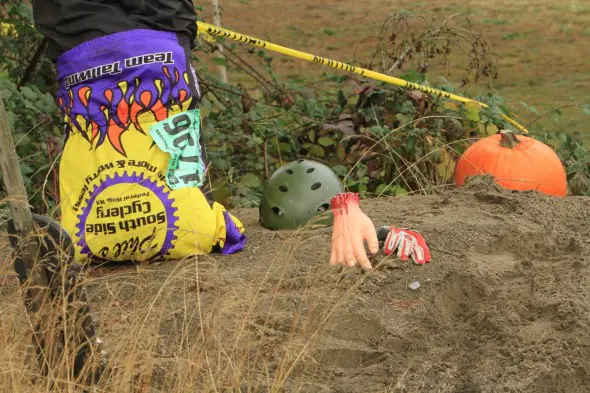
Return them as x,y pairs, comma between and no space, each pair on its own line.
127,217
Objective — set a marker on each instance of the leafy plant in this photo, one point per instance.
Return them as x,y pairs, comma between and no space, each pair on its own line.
410,41
576,158
27,86
379,139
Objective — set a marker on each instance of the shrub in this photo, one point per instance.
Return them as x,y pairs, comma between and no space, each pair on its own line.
380,139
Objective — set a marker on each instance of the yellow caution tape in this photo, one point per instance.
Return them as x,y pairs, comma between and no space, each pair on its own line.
218,31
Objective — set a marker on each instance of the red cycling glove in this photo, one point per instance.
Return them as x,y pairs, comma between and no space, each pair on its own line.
408,243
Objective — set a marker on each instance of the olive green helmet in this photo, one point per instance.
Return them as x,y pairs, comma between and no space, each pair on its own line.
298,192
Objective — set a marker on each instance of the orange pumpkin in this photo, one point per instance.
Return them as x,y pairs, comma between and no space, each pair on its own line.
516,162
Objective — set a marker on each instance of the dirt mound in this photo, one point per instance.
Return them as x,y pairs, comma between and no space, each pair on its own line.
504,306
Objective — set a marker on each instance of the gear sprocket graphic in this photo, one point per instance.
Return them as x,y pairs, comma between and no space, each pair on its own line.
135,179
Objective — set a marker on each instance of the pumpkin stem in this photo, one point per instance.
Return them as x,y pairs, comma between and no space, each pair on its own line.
509,139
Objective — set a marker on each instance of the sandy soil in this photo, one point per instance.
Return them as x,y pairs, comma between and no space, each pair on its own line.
504,306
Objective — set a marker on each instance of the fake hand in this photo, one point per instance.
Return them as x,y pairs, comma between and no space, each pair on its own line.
350,230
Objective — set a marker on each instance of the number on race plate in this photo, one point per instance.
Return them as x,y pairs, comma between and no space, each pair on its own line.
179,136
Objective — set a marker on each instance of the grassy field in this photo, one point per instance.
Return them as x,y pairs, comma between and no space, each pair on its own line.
538,45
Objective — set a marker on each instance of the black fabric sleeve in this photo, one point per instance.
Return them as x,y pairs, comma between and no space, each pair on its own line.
68,23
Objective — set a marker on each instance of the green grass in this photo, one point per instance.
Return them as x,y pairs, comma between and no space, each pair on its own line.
538,44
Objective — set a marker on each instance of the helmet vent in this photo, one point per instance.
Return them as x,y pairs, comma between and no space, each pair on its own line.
277,211
283,189
289,171
315,186
323,207
309,170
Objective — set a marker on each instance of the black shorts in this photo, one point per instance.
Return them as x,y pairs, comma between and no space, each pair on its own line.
68,23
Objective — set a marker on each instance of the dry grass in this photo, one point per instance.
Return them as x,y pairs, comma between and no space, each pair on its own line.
174,327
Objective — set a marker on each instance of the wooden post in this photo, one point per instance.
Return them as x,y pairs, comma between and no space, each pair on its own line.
217,22
13,181
21,214
35,280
